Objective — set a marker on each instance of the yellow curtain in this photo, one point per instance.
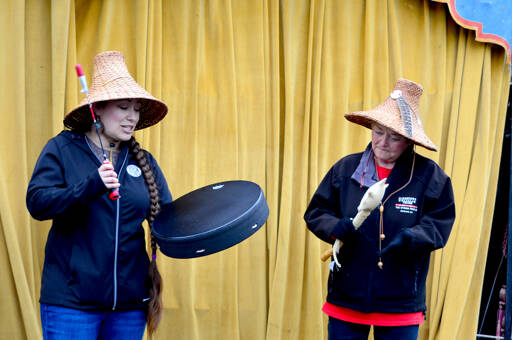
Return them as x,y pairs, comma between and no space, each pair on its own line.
257,90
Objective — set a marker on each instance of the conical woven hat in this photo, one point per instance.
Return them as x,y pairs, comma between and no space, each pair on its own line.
388,114
110,81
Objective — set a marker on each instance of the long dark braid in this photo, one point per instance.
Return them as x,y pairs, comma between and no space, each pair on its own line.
155,303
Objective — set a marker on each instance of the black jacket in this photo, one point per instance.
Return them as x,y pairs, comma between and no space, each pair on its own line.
419,217
95,256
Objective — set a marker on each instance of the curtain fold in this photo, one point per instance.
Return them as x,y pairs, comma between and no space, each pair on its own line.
257,91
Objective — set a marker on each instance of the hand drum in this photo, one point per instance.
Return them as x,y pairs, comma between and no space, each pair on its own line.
210,219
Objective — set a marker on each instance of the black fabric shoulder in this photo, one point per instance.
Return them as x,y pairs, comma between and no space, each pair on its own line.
66,137
431,174
58,142
345,167
70,134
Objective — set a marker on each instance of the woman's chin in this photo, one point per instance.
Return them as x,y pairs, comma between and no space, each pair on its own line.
123,137
383,160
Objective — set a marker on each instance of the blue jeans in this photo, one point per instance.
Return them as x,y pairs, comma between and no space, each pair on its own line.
61,323
342,330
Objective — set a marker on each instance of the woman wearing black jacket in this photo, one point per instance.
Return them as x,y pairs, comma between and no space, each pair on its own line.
378,277
98,281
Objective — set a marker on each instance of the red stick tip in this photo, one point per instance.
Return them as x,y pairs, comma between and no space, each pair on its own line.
79,70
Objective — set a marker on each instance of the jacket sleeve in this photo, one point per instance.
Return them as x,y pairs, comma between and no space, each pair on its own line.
48,194
323,213
435,225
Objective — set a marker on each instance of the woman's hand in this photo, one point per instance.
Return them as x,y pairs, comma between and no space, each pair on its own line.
401,240
108,175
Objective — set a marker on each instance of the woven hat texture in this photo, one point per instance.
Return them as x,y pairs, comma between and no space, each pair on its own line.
111,81
388,113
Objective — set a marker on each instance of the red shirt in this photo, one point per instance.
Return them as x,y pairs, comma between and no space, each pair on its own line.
382,172
375,319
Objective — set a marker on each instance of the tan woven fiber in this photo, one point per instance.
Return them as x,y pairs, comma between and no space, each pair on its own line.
110,81
388,114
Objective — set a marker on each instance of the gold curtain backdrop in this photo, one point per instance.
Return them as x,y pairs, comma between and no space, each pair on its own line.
257,91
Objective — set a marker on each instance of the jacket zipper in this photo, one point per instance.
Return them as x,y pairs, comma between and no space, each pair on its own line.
116,246
116,249
115,254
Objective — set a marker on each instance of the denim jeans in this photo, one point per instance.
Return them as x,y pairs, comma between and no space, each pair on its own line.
61,323
342,330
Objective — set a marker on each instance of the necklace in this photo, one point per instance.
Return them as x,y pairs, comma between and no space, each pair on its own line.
101,154
382,236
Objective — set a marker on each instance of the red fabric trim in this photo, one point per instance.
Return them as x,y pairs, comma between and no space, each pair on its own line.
478,27
374,319
382,172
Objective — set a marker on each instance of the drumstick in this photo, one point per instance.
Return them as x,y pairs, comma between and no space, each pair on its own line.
326,254
114,193
330,252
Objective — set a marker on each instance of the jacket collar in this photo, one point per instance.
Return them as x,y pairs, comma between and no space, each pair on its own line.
79,140
366,173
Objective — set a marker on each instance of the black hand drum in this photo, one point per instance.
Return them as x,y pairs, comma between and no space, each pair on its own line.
210,219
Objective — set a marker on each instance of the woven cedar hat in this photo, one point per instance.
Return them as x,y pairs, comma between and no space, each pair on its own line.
110,81
399,112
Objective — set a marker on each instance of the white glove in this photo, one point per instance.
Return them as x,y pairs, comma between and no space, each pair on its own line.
371,200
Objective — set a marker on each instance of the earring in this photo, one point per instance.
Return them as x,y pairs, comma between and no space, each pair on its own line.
98,123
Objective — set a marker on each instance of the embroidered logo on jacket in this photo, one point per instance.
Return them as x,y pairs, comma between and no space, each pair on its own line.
406,205
133,170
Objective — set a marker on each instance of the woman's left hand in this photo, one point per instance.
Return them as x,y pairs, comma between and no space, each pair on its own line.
402,239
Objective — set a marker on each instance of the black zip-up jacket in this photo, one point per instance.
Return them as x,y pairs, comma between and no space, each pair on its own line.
419,217
95,256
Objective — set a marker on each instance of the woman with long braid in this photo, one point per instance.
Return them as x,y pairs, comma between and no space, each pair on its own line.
98,280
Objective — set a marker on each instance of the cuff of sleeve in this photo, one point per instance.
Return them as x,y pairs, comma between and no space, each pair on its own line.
408,239
344,229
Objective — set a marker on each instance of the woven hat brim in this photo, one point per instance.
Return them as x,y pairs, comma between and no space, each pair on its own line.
366,118
151,112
